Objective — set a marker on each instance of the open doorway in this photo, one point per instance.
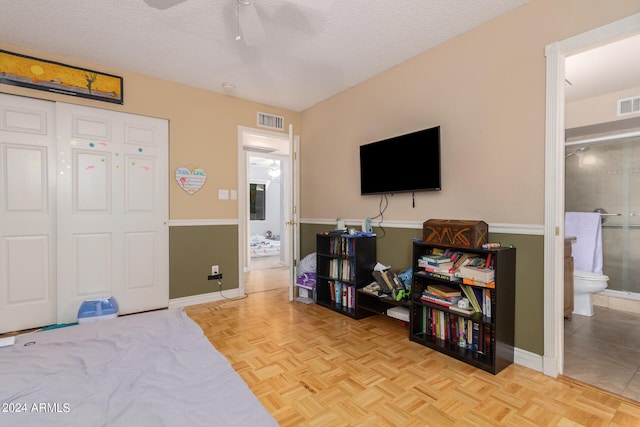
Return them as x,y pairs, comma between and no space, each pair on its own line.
602,141
555,156
264,195
266,212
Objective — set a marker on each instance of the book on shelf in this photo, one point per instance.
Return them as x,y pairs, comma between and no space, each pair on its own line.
462,334
449,277
476,333
442,325
345,295
438,299
453,328
388,278
489,339
479,298
473,282
479,294
469,334
486,308
471,296
433,259
464,259
397,281
342,294
481,274
424,320
468,311
489,262
444,290
380,280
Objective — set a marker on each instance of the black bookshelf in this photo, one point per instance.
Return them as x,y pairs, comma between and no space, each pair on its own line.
346,262
494,344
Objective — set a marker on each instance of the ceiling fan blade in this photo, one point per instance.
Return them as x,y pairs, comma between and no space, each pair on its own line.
250,24
163,4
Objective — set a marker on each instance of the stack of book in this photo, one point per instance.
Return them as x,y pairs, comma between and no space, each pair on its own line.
444,264
478,276
436,262
441,295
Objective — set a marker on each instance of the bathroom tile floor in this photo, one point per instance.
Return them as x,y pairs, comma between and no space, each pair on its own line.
604,351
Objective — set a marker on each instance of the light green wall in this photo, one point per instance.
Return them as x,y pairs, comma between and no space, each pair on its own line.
192,252
394,249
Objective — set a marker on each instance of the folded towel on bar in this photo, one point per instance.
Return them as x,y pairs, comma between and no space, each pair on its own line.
586,227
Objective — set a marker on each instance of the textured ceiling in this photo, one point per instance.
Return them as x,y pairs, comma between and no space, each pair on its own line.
313,48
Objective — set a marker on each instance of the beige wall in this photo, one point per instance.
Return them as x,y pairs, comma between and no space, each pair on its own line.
599,109
486,89
203,130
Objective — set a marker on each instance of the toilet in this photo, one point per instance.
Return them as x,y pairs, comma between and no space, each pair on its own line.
586,284
585,231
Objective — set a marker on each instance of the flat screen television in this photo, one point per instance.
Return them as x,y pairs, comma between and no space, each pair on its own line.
405,163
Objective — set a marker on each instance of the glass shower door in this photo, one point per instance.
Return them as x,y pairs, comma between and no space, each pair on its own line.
605,177
631,217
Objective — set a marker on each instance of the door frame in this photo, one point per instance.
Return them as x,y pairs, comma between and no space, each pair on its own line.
243,208
553,358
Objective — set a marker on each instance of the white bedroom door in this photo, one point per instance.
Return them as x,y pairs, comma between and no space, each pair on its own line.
112,210
293,213
27,213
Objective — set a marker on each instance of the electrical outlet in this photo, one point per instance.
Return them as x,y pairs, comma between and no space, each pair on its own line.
215,270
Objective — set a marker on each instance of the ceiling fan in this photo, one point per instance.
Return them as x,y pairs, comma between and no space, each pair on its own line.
249,26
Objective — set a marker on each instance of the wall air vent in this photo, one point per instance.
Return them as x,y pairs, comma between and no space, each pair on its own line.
628,106
270,121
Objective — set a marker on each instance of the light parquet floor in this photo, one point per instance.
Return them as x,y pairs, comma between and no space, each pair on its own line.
310,366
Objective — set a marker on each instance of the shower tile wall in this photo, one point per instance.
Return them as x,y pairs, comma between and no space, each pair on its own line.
607,176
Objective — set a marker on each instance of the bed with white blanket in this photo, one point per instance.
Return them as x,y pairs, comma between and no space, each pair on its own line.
260,246
150,369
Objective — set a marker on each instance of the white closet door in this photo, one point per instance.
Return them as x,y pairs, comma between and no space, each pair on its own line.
112,209
27,213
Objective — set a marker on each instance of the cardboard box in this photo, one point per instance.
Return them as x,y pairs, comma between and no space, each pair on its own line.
455,233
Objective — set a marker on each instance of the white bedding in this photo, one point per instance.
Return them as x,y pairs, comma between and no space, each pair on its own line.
260,246
150,369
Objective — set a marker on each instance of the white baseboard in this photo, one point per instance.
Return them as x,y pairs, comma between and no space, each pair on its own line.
527,359
204,298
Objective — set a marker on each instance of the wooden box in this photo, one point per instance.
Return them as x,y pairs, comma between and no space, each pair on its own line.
454,232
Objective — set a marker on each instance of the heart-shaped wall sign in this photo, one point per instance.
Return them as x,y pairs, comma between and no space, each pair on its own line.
190,181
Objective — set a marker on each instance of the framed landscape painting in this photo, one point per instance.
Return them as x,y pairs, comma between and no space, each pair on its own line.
40,74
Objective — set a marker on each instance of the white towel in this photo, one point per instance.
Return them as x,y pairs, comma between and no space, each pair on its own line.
586,227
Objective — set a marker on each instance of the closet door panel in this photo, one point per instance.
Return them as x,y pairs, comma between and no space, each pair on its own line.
25,178
27,275
140,180
91,182
140,261
27,213
116,185
92,264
